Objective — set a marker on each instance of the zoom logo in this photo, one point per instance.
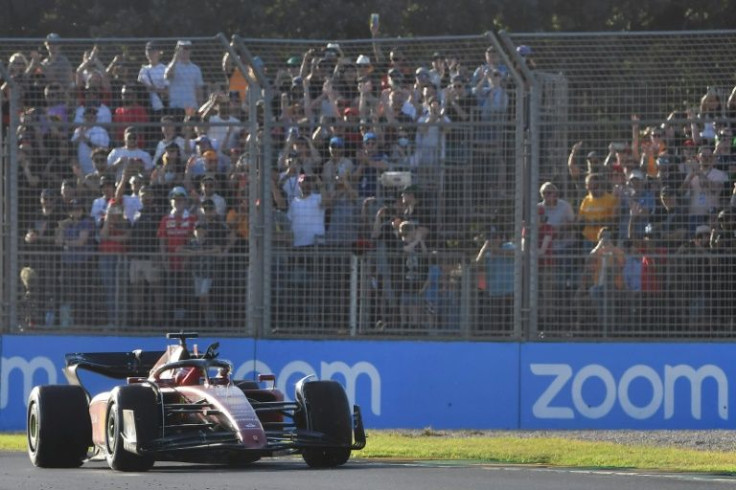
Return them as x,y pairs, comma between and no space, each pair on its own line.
661,390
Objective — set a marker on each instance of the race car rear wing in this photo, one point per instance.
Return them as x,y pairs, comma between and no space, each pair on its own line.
116,365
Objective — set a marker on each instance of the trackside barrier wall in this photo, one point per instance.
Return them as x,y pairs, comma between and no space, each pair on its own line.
458,385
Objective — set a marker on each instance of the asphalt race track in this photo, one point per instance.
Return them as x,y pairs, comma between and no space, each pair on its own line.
17,473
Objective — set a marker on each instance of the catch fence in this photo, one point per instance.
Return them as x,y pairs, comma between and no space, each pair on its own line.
370,188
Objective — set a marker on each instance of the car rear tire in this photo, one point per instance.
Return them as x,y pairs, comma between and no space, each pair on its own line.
59,431
142,401
326,409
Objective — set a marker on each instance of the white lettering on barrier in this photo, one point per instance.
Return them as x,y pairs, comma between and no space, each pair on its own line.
541,408
333,370
28,370
662,391
329,371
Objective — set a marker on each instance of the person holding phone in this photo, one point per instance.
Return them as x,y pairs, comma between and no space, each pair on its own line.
185,80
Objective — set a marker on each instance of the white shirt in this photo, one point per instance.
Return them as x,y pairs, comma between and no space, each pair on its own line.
153,78
97,138
131,207
161,148
123,152
218,133
558,216
187,77
220,205
104,115
307,219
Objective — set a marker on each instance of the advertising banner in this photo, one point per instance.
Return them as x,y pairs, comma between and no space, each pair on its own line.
459,385
626,386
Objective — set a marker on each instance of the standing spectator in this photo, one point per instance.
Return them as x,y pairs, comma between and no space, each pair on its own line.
496,303
490,168
597,210
58,150
89,184
457,105
208,192
19,74
223,124
548,294
75,237
101,203
413,279
670,220
592,165
130,113
205,166
723,245
371,162
431,141
147,295
706,186
637,206
492,62
168,173
88,136
689,278
33,176
92,96
201,255
55,103
204,250
169,135
129,156
113,264
723,152
602,278
152,77
42,257
56,65
344,217
307,213
236,81
337,165
236,288
185,80
307,216
174,232
439,74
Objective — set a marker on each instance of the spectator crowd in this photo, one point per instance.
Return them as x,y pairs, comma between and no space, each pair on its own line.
134,196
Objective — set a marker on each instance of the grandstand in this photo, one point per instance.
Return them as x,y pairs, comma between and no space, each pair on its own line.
378,188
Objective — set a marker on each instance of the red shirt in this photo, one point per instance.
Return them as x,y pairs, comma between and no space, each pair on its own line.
653,266
128,116
111,246
176,230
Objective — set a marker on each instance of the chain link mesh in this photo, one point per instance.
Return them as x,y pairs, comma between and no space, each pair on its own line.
400,198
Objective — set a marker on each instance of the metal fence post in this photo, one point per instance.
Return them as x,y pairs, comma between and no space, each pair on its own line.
9,148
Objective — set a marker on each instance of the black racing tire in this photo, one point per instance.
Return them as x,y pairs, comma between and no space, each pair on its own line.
142,400
326,409
58,426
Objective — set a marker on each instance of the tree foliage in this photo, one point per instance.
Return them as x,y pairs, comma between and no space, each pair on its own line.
348,19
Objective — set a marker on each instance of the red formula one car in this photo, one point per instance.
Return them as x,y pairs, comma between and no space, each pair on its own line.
178,405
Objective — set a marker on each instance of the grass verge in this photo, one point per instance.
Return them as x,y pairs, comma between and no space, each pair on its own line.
509,450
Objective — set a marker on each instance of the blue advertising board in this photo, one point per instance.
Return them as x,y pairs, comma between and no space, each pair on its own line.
397,384
626,386
444,385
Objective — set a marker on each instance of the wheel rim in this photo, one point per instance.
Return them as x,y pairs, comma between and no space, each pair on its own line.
33,427
111,429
